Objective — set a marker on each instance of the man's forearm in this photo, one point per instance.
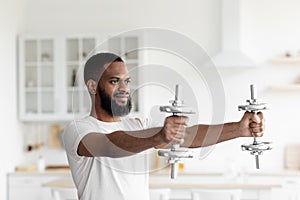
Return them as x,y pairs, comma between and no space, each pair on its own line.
131,142
119,143
206,135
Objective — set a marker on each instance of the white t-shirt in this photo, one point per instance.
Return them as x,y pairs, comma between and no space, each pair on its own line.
105,178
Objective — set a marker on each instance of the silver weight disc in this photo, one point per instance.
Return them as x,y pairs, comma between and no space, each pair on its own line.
261,146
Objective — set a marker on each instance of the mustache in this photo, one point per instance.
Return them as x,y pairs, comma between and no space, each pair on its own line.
121,93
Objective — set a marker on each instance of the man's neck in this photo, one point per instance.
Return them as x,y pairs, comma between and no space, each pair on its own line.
102,115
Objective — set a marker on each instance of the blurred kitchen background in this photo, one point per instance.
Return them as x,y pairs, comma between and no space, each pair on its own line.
43,46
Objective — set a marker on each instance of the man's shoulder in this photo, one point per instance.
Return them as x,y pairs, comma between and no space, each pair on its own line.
74,124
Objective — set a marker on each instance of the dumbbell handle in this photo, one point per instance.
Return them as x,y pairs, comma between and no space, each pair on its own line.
255,141
257,161
175,103
253,98
253,92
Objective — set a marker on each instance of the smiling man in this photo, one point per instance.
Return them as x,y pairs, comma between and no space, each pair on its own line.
116,103
107,150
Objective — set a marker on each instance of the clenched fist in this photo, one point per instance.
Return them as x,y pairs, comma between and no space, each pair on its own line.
252,124
174,129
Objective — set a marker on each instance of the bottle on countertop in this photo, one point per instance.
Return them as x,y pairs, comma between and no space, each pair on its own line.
41,164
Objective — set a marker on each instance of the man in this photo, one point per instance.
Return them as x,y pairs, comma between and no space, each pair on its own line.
106,150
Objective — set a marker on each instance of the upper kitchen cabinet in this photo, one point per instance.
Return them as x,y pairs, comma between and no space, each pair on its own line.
37,61
76,51
51,86
127,46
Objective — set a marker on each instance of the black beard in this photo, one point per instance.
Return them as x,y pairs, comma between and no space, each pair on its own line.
110,105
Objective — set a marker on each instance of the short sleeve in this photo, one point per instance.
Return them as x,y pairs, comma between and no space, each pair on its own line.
73,134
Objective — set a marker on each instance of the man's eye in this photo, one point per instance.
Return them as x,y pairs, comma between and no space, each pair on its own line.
128,81
114,81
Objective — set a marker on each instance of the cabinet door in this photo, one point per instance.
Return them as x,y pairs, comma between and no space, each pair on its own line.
127,46
77,50
22,187
36,76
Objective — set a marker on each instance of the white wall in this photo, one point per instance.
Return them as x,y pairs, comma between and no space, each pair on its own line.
11,137
270,27
198,19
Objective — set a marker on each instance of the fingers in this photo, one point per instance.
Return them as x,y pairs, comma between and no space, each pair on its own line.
257,131
257,124
175,129
179,120
257,118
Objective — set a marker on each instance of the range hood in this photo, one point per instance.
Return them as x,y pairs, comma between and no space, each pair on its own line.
231,54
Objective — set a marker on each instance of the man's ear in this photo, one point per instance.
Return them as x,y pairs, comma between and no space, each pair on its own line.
92,86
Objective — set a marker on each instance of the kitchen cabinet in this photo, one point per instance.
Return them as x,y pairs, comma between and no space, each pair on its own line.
30,185
51,86
46,64
37,70
127,46
254,185
77,49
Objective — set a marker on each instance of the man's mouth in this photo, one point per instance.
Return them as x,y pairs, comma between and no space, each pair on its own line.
122,97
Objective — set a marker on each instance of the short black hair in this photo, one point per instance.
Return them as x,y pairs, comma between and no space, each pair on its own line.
94,66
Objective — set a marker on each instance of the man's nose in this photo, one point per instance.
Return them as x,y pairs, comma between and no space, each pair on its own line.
123,86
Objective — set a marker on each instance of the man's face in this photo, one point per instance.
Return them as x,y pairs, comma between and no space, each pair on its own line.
113,89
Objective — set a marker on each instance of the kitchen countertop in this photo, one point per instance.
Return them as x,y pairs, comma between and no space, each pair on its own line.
68,183
166,172
64,183
274,173
216,186
38,173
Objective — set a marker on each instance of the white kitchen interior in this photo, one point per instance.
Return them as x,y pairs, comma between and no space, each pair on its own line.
266,32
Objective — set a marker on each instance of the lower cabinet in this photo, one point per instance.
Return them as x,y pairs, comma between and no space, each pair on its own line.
30,186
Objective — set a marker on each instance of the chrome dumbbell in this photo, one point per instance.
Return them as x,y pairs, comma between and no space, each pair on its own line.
254,106
175,154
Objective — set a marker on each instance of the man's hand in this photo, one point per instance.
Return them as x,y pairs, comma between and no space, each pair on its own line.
173,130
252,125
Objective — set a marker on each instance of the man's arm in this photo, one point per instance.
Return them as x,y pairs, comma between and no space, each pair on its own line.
205,135
119,143
126,143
